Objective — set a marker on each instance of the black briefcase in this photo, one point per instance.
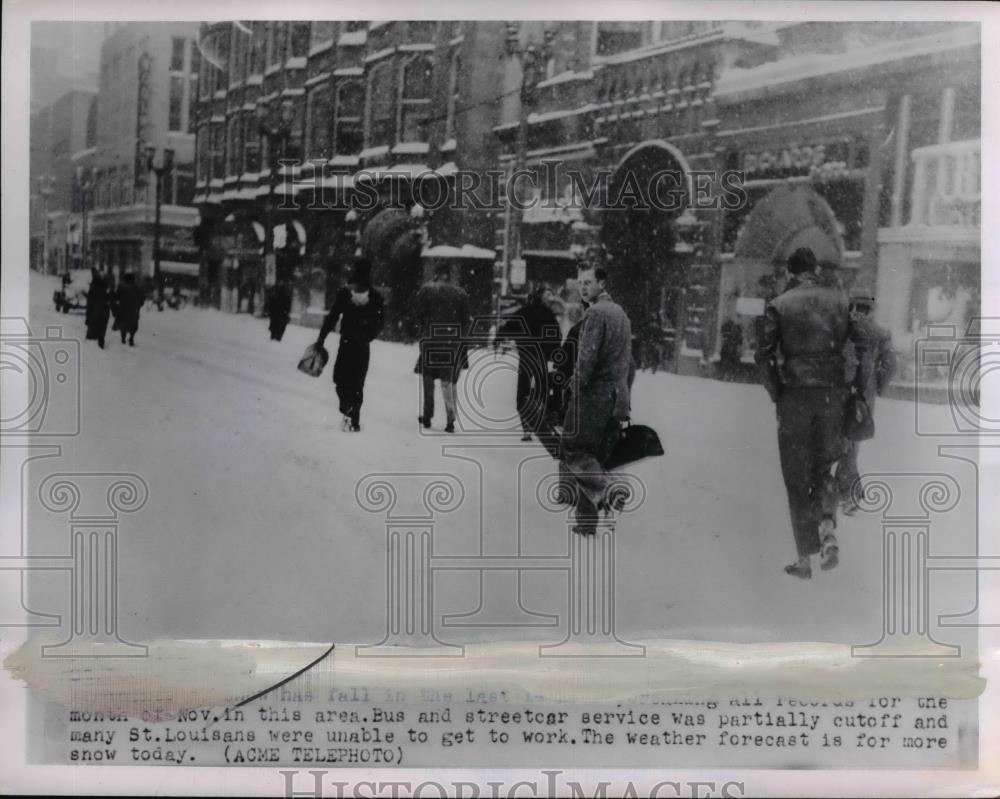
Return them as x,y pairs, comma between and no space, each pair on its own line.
636,442
858,422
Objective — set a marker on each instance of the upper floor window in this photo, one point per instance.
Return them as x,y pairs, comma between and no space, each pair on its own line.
258,47
422,31
455,70
415,99
322,32
350,105
320,114
298,36
177,54
381,105
612,38
276,41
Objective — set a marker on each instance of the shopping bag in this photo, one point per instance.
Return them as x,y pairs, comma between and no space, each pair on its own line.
314,359
858,422
636,442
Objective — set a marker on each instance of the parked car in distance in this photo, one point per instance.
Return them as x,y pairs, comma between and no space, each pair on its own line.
73,293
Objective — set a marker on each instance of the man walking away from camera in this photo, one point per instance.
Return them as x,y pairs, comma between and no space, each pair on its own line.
129,299
536,330
599,401
98,307
442,313
801,359
359,308
279,310
877,369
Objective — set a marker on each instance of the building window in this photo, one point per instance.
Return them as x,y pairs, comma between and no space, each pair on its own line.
348,133
415,99
298,39
184,186
251,143
258,47
276,45
203,163
381,108
177,54
218,152
233,149
453,95
322,32
176,103
621,36
422,31
319,114
239,48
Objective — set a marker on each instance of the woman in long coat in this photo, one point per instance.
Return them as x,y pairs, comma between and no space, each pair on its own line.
359,308
98,308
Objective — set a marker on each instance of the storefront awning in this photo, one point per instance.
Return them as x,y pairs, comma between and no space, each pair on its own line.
465,251
179,267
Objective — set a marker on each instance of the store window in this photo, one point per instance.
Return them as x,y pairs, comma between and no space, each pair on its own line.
381,107
348,133
415,99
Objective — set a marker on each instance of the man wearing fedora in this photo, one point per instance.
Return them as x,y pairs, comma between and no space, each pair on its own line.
359,308
877,369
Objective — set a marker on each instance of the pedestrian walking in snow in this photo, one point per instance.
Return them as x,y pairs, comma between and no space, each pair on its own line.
442,314
98,307
279,310
877,369
802,364
535,330
128,301
360,310
599,403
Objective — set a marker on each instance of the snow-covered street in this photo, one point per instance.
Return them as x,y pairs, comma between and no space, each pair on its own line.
253,528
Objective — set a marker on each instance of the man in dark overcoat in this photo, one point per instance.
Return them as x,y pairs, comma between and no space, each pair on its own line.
279,310
535,330
129,299
441,310
801,360
98,307
360,310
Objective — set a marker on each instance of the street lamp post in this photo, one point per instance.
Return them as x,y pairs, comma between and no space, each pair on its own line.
159,167
277,129
532,60
86,183
46,187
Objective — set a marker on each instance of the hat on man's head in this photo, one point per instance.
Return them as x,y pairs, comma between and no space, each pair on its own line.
802,260
361,273
860,296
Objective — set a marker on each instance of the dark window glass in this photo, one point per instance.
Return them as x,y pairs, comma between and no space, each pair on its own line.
177,54
176,102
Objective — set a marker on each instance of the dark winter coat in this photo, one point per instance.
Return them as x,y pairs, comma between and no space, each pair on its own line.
359,326
806,328
128,301
279,305
444,318
879,361
98,307
535,329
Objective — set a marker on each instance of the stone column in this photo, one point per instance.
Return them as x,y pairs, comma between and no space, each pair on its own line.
94,503
905,503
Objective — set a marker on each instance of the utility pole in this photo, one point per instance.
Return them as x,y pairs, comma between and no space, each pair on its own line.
159,167
532,61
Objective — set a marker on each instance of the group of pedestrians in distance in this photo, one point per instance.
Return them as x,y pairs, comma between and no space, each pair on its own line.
819,346
123,304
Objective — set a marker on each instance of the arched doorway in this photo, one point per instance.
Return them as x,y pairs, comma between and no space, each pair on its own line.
788,217
648,190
